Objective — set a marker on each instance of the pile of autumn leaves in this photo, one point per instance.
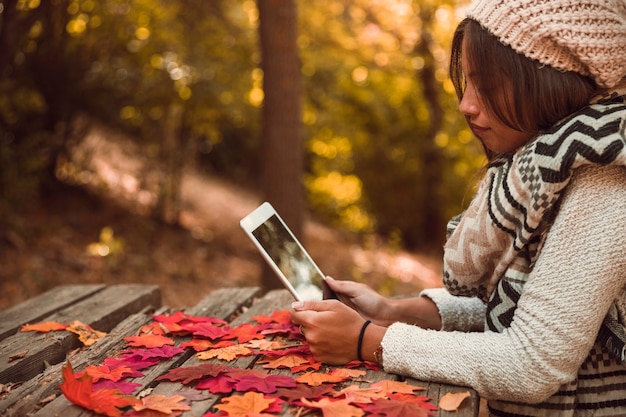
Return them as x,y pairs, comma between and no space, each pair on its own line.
106,388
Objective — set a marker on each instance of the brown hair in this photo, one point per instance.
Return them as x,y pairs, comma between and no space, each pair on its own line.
523,94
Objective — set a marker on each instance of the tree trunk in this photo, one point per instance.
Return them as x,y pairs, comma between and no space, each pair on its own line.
282,156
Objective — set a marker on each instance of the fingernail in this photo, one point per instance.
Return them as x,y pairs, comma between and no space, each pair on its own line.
330,278
296,305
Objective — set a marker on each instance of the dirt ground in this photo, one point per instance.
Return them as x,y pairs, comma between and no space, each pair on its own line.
75,237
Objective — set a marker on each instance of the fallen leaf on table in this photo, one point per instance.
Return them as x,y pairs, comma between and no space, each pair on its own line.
104,372
162,403
395,408
346,373
43,327
86,334
389,386
287,361
189,374
451,401
246,332
338,408
317,378
228,353
420,400
248,403
278,316
356,394
149,340
263,383
264,344
80,392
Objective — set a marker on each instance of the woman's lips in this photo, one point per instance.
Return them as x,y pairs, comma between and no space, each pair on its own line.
478,130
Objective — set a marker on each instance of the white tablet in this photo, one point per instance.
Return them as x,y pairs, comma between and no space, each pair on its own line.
285,255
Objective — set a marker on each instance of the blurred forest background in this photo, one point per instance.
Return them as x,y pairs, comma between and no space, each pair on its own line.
135,133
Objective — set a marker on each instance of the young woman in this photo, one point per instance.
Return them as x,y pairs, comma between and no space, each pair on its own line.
533,313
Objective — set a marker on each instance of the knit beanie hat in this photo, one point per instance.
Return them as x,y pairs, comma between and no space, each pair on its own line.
584,36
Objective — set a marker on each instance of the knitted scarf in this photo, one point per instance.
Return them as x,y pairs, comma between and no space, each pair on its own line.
502,231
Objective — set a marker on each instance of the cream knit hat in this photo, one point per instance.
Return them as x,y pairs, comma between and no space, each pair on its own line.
585,36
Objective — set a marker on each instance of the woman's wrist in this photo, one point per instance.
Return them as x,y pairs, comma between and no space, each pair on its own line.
372,339
419,311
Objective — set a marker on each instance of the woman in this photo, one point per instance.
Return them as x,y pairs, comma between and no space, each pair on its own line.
533,312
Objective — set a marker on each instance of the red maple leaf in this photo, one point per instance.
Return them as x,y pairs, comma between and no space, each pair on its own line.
266,384
294,395
210,331
189,374
220,384
420,400
79,391
246,332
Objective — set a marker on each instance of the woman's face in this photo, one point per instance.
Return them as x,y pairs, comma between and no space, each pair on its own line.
492,132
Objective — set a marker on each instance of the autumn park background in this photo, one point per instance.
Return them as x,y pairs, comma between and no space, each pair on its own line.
134,134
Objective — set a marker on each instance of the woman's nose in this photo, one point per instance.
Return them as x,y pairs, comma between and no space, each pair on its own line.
469,103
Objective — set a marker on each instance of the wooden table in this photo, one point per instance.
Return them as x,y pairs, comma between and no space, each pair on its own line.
31,363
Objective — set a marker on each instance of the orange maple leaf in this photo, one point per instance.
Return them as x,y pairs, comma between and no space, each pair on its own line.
227,353
86,334
346,373
104,372
43,327
389,386
278,316
330,408
246,404
287,361
162,403
356,394
264,344
452,401
79,391
317,378
149,340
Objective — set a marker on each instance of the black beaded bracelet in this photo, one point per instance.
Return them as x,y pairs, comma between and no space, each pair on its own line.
360,343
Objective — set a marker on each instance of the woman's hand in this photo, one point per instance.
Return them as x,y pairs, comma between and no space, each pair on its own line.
332,331
420,311
362,298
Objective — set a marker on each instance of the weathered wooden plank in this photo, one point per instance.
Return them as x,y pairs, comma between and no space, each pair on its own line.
27,397
102,312
223,303
34,309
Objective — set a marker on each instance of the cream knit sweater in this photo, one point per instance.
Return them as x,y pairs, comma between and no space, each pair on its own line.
580,273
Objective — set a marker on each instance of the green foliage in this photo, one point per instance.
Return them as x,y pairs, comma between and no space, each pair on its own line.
387,151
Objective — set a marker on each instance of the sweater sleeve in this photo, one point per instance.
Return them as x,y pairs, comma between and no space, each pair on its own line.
579,274
457,313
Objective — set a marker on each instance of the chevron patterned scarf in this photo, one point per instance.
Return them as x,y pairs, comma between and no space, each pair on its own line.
502,231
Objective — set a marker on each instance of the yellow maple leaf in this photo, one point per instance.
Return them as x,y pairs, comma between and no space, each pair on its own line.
227,353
